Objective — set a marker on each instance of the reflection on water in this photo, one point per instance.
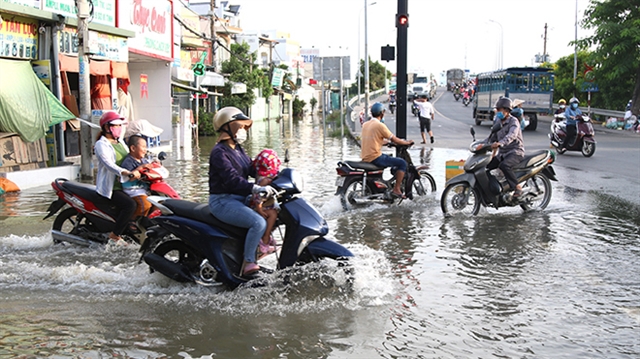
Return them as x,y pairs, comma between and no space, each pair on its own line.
562,282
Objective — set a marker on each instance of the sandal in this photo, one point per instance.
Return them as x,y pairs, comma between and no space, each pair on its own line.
395,195
272,241
250,268
265,248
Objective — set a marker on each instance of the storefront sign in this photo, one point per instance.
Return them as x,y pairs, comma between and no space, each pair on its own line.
151,20
19,38
101,46
192,20
309,54
104,11
42,68
29,3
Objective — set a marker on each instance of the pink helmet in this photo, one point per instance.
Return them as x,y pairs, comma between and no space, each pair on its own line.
112,117
267,163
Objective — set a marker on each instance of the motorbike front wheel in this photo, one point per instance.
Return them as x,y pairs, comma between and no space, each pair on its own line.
425,184
588,148
460,198
352,194
539,185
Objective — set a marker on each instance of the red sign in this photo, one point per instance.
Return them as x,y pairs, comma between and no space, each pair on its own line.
144,86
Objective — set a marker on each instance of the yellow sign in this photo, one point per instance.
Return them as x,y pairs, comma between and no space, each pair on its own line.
19,38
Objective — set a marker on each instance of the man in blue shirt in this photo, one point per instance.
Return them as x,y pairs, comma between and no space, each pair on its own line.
571,114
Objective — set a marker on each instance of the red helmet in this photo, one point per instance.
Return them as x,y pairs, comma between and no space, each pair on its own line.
112,117
267,163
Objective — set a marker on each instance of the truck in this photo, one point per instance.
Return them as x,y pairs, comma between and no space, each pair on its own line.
454,77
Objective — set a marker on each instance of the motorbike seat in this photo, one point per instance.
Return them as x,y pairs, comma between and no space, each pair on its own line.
84,190
367,166
531,159
201,213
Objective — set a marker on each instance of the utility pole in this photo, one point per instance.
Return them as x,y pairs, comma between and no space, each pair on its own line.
84,89
213,49
366,64
544,51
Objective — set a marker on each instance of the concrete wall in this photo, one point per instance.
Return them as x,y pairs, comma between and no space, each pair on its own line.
157,107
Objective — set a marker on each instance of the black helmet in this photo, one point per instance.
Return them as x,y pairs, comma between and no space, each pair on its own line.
503,102
377,109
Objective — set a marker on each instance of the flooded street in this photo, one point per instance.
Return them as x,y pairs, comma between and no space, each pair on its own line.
560,283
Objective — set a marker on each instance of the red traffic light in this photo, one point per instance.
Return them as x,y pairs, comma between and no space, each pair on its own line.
402,20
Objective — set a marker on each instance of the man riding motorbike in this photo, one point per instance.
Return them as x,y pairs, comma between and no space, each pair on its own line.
510,144
374,134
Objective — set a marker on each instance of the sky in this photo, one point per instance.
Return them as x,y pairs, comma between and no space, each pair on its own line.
442,34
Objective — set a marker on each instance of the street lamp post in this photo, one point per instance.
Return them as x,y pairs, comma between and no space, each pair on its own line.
367,62
500,54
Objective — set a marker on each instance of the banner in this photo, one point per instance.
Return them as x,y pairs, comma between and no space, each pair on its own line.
104,11
19,38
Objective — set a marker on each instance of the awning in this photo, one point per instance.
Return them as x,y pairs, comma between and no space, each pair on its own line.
212,79
96,67
190,88
27,107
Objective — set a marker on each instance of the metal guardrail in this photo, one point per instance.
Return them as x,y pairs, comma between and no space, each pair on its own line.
600,112
351,104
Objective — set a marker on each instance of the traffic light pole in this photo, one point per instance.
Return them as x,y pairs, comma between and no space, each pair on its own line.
402,23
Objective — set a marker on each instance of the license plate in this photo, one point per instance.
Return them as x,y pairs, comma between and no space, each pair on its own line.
340,181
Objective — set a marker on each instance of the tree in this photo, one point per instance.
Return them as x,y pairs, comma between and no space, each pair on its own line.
313,102
240,68
563,80
616,58
377,75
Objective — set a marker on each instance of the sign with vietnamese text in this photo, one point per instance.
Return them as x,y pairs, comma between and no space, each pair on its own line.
278,75
101,46
29,3
152,22
104,11
19,38
309,54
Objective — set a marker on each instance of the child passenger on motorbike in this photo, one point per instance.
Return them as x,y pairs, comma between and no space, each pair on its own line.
229,188
136,161
267,166
510,144
374,134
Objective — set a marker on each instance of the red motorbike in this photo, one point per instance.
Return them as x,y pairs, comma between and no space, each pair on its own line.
91,217
585,141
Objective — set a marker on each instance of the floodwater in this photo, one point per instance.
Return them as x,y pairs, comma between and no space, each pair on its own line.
561,283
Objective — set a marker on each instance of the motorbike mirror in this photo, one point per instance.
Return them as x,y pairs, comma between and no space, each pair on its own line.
286,156
162,156
473,132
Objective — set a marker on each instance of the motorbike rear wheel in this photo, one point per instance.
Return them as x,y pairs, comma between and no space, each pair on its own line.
541,185
71,222
460,198
588,148
425,184
352,191
178,252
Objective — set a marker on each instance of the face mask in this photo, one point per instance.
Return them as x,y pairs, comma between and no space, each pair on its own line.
562,106
574,106
382,120
500,116
241,136
116,131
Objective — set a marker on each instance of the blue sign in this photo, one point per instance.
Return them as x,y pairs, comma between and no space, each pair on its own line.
589,87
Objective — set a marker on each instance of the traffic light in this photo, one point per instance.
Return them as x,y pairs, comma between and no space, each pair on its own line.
402,20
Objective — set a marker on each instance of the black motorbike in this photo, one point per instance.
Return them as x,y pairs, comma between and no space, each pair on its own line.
361,183
392,105
415,109
189,244
465,192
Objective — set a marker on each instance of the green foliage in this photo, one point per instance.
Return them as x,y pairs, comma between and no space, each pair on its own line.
313,102
377,73
298,107
563,84
240,68
616,58
205,123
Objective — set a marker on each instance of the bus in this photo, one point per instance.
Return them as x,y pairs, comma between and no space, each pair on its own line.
533,85
454,77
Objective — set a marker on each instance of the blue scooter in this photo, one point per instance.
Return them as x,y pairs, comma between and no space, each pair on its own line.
188,244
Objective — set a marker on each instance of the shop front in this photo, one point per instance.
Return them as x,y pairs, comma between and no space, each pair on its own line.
150,58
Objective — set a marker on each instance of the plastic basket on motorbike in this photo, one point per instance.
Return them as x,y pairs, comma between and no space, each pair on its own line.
453,168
